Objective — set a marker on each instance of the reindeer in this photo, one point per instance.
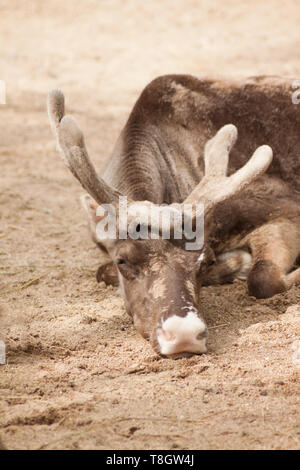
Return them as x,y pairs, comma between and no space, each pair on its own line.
171,152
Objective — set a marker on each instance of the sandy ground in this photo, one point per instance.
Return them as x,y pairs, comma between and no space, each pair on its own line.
78,375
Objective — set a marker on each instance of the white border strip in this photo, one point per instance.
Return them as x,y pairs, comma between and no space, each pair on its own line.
2,92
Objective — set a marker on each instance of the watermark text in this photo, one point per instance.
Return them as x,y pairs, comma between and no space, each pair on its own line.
143,221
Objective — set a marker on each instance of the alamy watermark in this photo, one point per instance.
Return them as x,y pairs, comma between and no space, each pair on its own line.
2,92
151,221
2,353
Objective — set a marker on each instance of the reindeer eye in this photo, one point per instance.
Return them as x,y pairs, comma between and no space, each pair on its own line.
120,261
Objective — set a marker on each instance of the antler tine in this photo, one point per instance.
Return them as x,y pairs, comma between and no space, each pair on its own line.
215,186
56,111
217,149
71,146
56,107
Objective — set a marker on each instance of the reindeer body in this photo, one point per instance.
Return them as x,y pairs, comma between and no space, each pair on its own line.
165,155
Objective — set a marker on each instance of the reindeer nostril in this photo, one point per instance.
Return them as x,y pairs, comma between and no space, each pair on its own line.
168,335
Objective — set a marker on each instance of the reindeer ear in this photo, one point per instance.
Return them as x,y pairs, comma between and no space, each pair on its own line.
90,206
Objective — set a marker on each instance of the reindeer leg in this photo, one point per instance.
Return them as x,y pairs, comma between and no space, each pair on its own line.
275,247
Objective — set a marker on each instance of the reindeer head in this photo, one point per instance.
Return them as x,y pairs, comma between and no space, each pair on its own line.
159,278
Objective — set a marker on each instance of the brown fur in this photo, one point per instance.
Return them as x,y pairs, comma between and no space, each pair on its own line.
108,274
179,114
264,280
159,158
